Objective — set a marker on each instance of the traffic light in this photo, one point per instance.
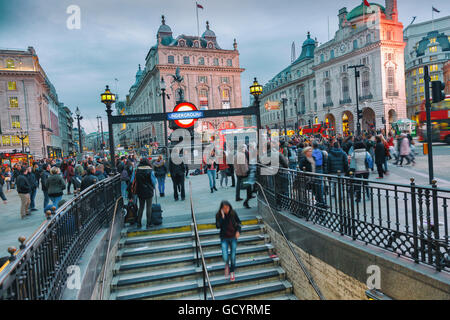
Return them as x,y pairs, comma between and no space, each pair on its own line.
437,91
310,123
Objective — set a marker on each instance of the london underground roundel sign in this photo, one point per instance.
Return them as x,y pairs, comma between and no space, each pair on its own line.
185,107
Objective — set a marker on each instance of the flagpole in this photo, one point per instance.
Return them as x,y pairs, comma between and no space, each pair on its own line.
198,26
432,17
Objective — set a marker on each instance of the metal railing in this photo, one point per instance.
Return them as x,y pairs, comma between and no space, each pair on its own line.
408,220
297,258
199,250
39,271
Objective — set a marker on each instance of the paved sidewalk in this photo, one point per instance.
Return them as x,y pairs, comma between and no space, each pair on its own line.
12,226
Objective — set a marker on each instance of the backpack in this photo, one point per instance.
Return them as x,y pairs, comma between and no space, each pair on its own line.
369,161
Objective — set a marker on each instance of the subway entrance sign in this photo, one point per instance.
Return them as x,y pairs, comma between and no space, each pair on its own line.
185,114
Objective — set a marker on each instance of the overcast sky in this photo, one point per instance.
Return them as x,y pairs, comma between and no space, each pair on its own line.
115,37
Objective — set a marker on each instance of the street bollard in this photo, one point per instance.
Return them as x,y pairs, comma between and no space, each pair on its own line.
22,239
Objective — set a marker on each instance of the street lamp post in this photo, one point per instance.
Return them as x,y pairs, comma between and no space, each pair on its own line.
79,117
22,136
108,99
298,121
166,139
256,90
284,100
358,112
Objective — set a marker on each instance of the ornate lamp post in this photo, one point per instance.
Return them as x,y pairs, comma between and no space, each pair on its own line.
256,90
79,118
22,136
358,112
163,93
108,99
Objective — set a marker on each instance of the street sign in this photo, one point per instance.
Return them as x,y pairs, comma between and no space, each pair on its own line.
185,115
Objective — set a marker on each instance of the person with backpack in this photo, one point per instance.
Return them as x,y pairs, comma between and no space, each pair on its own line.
361,162
292,156
159,165
55,185
145,187
227,220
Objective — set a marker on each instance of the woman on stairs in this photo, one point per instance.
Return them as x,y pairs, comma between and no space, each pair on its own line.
229,224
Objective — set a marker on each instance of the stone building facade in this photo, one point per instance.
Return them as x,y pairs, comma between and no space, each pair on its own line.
28,102
427,44
323,86
211,80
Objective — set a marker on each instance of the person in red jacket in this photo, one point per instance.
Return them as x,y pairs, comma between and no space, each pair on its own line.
70,173
223,169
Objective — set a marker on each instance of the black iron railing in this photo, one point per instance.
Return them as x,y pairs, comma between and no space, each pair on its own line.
200,257
39,271
408,220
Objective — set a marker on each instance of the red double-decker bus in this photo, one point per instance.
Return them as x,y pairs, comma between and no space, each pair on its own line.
440,121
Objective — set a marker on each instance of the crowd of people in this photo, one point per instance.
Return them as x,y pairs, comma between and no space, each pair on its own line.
53,177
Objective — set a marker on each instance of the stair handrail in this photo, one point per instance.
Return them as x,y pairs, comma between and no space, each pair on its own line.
198,248
299,261
109,248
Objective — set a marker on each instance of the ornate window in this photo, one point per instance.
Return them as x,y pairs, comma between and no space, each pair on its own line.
365,82
345,89
201,61
216,61
10,64
12,85
229,63
328,92
226,99
171,59
186,60
355,44
203,79
13,102
391,81
203,99
15,122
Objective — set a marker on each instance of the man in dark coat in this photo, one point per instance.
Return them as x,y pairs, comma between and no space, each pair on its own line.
44,177
89,179
145,188
380,154
337,160
33,184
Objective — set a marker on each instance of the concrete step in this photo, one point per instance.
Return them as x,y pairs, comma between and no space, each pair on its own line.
263,291
131,232
140,279
183,236
183,260
190,287
183,247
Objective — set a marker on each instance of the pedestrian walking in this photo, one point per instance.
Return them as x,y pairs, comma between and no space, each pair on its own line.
308,164
227,220
405,149
8,178
380,156
361,163
145,187
160,168
211,169
224,171
24,190
33,184
241,168
177,174
292,156
69,175
89,179
2,182
55,185
44,177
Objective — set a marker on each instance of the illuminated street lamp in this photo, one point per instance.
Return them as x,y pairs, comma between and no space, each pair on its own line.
108,99
256,90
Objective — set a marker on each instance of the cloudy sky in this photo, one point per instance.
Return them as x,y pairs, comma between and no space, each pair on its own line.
115,37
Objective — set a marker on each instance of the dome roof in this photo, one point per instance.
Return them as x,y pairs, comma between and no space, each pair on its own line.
362,9
164,28
309,41
208,33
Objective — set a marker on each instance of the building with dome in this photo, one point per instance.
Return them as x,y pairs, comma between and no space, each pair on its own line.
428,44
371,37
298,83
322,86
211,80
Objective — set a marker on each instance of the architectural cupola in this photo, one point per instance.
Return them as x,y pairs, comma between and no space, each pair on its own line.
164,30
209,34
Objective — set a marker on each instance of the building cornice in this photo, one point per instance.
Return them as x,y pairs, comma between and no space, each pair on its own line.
287,85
